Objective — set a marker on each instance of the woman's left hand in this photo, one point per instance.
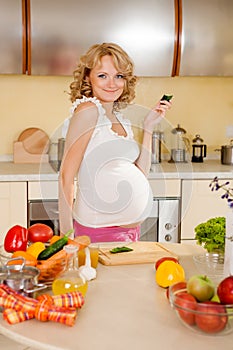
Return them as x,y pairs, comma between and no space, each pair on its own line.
156,115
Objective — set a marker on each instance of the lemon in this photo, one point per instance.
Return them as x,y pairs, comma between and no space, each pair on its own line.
168,273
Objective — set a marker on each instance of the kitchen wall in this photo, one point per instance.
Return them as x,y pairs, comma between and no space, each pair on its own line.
201,105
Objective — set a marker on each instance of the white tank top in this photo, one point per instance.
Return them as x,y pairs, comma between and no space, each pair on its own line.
111,190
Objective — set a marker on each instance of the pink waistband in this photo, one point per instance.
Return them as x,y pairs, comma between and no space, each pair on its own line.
108,234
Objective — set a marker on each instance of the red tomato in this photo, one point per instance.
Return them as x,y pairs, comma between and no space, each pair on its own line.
40,233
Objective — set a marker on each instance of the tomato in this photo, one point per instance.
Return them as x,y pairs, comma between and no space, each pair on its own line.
40,233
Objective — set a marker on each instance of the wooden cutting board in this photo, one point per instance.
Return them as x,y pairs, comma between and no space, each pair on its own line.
34,140
143,252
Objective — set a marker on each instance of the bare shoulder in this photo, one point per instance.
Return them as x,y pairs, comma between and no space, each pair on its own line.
85,115
86,107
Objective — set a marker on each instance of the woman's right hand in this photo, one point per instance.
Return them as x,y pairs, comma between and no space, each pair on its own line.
155,116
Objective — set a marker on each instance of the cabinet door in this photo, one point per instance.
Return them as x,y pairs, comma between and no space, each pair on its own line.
13,206
63,30
11,37
198,204
206,38
42,190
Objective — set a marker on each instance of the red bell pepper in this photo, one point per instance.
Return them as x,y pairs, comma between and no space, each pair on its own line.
16,239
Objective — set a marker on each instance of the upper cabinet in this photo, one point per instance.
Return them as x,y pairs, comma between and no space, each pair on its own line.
12,40
206,38
163,37
60,31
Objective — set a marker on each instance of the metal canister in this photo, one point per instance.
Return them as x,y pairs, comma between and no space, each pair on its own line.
157,138
60,150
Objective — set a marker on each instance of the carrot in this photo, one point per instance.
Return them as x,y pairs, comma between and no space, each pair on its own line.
51,267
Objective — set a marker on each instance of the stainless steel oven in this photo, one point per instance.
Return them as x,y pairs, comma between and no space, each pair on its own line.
163,224
44,211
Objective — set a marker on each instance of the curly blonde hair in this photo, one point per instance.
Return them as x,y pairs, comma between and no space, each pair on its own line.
81,87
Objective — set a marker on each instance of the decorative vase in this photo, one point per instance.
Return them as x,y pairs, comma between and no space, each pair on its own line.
228,259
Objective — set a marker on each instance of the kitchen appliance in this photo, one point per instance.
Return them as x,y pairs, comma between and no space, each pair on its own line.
157,138
163,223
227,154
44,211
161,226
56,153
199,149
60,150
180,145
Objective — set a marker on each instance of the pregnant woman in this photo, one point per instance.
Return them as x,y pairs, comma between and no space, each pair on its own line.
113,195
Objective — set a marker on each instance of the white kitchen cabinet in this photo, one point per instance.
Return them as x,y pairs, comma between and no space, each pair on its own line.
42,190
198,204
13,206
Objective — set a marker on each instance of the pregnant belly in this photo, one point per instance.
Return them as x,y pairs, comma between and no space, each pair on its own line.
126,192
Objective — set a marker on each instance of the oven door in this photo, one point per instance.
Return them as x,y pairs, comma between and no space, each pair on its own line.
45,212
163,223
149,228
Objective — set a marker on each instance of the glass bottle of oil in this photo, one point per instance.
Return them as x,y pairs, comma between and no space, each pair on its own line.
70,279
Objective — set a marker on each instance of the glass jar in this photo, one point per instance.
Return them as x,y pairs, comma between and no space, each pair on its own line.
70,279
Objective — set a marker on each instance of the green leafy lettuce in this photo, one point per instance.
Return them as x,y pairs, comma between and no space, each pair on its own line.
211,234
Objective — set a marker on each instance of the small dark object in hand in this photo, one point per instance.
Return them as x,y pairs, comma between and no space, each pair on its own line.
120,250
166,98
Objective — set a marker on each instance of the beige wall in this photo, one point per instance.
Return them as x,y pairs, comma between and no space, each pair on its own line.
200,105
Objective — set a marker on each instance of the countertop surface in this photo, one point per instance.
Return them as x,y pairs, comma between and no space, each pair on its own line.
10,171
124,309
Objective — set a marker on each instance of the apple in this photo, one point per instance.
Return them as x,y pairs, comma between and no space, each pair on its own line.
225,290
165,258
208,319
201,287
175,287
186,301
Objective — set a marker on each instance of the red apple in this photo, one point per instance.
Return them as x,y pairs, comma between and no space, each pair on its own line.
201,287
212,317
175,287
225,290
165,258
186,301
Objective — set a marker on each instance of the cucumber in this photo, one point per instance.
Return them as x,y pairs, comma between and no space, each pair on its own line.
120,250
54,247
166,98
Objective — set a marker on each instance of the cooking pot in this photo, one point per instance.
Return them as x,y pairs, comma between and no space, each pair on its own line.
227,154
19,277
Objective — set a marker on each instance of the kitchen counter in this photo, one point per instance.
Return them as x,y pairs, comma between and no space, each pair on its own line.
124,309
10,171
